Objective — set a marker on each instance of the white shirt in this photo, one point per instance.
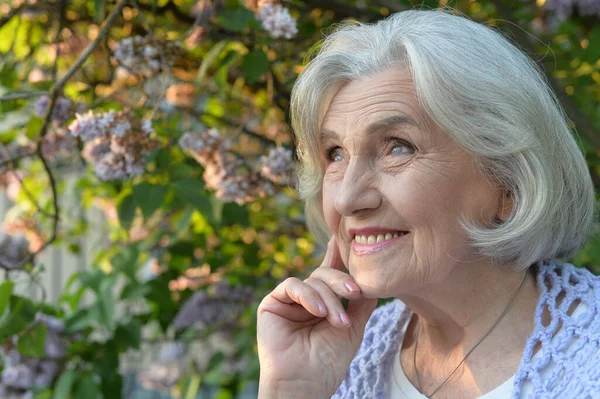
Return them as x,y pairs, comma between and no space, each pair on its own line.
400,387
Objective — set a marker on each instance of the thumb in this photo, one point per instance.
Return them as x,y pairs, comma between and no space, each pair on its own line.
333,258
360,310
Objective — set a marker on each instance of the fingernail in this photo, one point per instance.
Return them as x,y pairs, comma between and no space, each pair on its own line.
322,307
351,287
345,318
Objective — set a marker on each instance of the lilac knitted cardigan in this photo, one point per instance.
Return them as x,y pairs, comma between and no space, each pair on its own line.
570,362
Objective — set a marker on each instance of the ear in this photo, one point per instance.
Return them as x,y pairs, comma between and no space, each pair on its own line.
505,207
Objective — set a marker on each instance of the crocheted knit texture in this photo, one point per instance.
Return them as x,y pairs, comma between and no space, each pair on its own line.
568,368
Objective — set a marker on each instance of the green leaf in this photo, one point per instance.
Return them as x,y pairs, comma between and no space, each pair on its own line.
33,127
235,214
32,342
82,319
64,385
126,261
254,65
193,386
5,293
134,290
224,394
21,314
126,211
129,335
149,197
191,191
45,394
87,388
107,304
99,10
236,20
215,361
208,60
92,279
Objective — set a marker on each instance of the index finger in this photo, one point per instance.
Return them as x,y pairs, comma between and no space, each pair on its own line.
333,259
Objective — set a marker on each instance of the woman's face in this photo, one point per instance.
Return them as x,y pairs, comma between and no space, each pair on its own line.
391,171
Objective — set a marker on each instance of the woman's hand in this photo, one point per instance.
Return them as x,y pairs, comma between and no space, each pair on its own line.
306,340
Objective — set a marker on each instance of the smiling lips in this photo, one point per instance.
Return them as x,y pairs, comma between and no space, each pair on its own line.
364,244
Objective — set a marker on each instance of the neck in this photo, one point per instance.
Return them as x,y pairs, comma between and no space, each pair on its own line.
456,313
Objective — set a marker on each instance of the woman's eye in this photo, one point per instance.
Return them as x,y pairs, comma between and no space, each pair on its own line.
333,154
400,148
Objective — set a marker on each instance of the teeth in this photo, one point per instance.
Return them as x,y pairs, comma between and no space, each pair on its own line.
373,239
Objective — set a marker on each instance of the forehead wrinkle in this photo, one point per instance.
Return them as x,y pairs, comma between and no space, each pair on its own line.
377,127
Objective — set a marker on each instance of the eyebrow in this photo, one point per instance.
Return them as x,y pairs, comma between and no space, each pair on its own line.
377,126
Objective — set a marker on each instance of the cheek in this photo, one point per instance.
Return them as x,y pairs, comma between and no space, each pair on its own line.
332,218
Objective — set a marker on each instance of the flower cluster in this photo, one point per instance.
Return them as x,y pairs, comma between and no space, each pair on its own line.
565,8
145,56
14,251
278,165
63,108
221,308
59,144
194,278
21,373
276,20
167,370
224,172
115,143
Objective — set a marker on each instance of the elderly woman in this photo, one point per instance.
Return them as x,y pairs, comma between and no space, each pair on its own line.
440,168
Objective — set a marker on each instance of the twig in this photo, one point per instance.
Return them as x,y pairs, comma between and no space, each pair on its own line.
10,162
54,91
231,122
18,96
61,19
18,157
30,196
91,47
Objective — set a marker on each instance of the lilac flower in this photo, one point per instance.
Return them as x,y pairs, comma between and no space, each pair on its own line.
14,251
223,307
62,111
278,165
277,20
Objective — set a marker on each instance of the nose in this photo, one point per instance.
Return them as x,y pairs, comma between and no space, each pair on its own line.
358,194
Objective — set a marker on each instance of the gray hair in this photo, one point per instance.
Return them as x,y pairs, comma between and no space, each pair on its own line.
490,98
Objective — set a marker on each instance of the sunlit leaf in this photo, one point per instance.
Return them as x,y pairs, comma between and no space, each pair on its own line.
5,293
64,385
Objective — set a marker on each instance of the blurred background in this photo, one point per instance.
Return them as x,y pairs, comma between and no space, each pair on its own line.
147,169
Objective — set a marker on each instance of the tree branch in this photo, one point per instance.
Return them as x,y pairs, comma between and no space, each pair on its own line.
91,47
18,96
18,157
231,122
54,92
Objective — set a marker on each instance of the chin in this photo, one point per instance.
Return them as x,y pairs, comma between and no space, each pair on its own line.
370,285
